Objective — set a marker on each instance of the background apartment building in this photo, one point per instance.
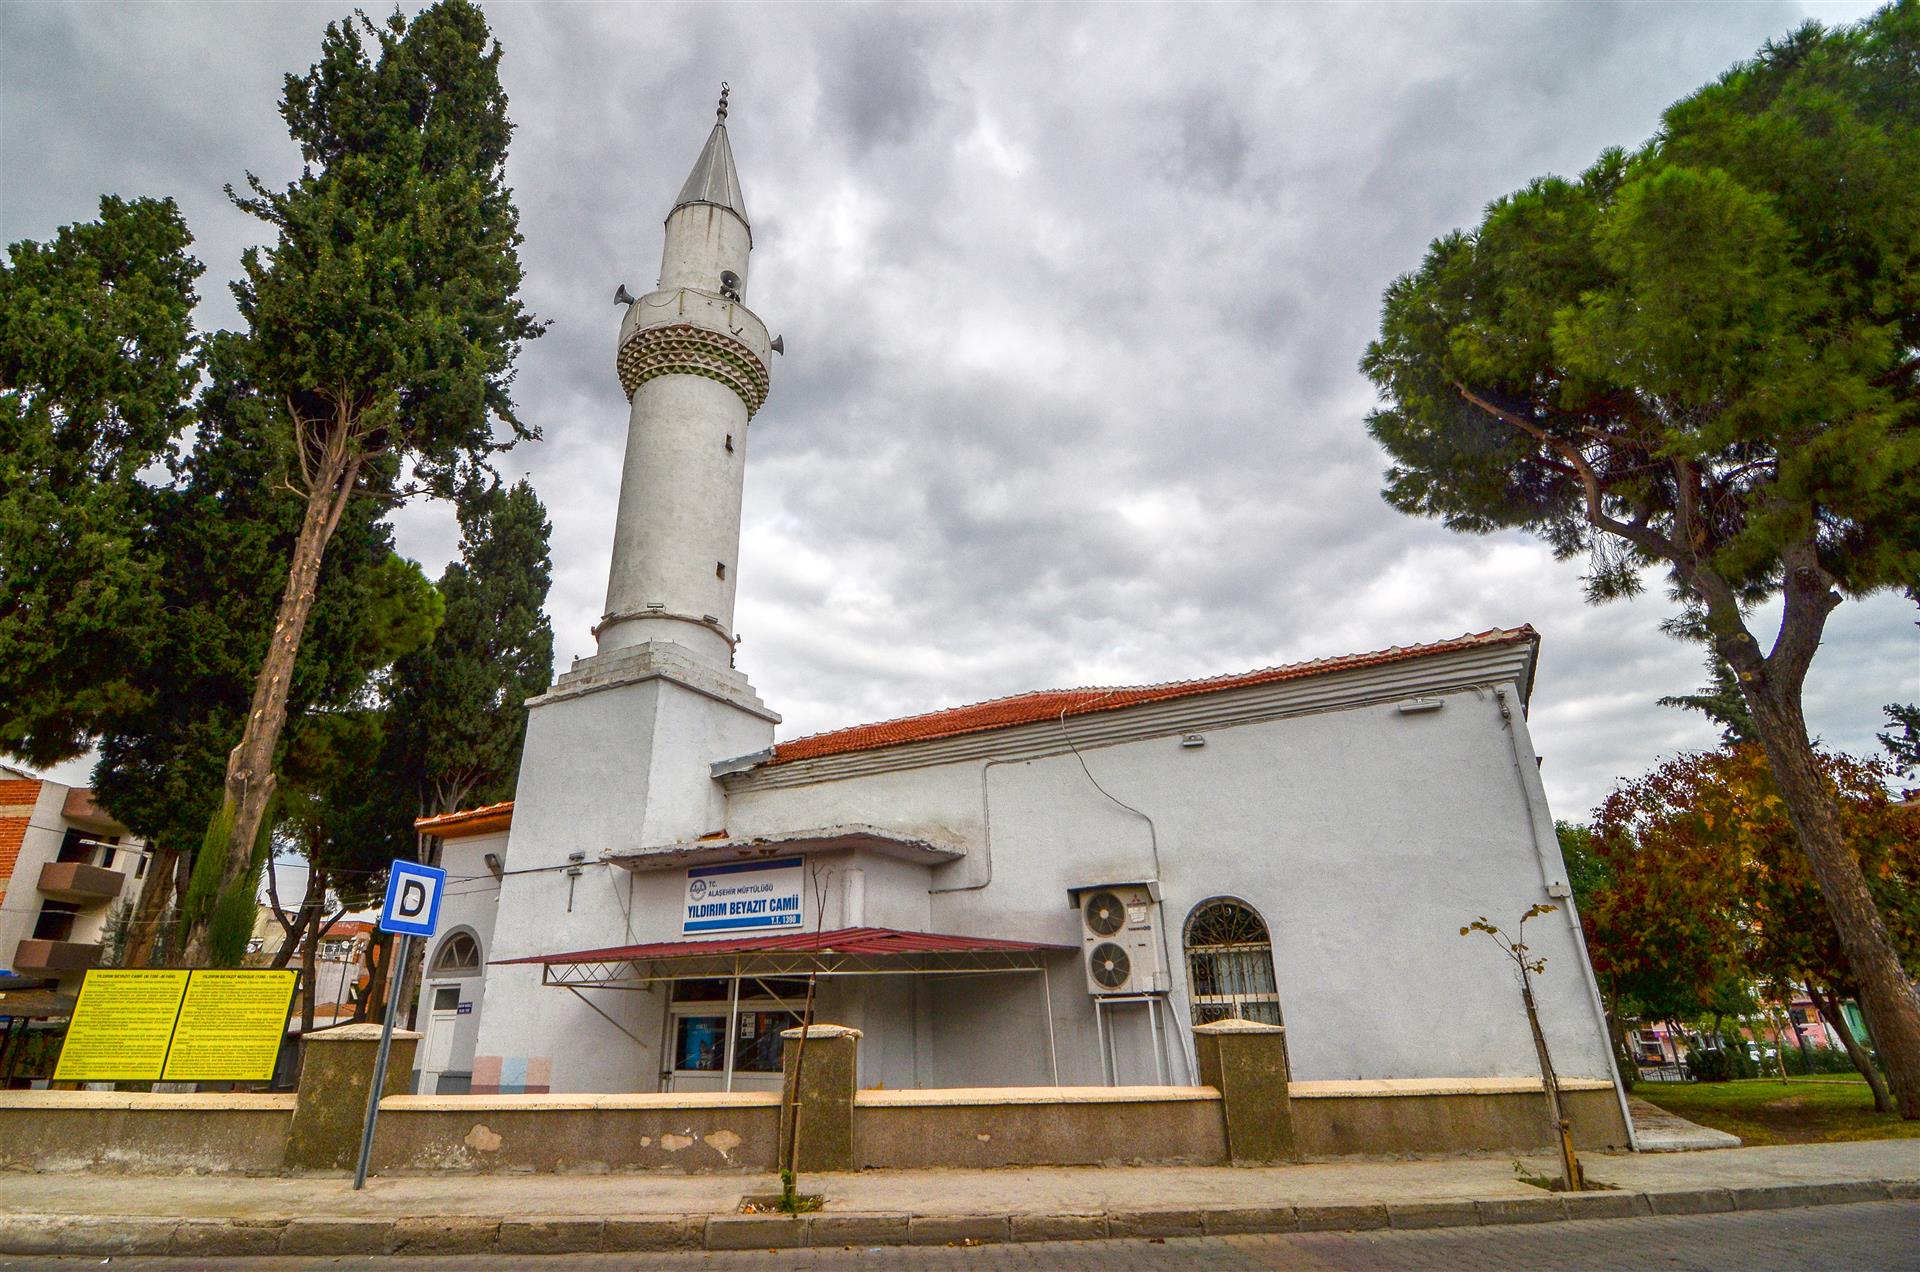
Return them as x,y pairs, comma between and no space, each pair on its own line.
65,865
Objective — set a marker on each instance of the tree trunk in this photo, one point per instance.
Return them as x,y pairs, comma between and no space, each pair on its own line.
1570,1174
311,904
412,974
310,988
379,956
171,938
148,915
1829,1007
1884,987
250,776
289,927
1800,1036
1623,1053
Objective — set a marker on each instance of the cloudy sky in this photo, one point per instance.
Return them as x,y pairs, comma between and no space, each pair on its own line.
1073,298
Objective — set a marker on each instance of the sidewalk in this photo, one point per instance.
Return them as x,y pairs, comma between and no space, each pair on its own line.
209,1215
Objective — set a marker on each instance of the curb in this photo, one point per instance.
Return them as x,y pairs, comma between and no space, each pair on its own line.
468,1234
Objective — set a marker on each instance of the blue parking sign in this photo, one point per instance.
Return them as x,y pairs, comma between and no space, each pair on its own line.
413,898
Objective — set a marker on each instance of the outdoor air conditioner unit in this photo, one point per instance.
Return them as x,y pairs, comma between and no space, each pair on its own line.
1120,940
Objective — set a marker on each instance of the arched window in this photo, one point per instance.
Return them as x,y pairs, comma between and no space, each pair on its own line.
1230,964
458,955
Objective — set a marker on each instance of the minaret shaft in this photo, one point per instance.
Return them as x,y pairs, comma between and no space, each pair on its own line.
693,360
678,532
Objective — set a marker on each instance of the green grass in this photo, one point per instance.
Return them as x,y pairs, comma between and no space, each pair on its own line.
1768,1111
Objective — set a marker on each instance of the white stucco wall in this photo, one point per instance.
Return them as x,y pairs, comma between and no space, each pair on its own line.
1364,837
621,767
470,903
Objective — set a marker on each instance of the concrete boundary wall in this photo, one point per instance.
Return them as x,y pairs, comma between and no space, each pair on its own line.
1360,1119
1252,1115
970,1128
576,1134
1038,1126
143,1133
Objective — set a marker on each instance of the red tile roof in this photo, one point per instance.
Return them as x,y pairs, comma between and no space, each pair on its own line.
860,940
468,821
1048,704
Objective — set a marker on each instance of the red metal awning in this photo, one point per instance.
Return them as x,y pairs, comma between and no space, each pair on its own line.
860,940
843,952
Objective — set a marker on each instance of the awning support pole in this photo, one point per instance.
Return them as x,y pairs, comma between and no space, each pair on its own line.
733,1021
1162,1061
669,1043
1100,1032
1046,992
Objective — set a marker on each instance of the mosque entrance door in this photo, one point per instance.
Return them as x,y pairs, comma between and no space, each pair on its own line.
723,1032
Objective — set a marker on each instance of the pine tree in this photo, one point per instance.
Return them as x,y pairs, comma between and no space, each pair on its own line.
222,532
1700,358
97,365
385,321
459,703
1721,701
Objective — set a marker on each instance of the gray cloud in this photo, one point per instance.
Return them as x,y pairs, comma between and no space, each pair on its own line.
1074,297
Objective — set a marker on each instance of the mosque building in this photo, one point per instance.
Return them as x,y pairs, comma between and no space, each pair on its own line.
1047,889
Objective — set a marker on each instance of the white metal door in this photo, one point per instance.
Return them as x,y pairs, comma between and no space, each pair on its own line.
439,1039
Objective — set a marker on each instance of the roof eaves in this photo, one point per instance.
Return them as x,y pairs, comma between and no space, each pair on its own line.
1028,708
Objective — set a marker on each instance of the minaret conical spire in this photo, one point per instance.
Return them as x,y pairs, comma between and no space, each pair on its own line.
714,179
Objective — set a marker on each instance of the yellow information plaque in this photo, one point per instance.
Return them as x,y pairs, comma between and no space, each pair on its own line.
121,1027
231,1025
181,1026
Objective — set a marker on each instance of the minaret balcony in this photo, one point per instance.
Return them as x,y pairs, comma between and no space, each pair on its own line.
709,310
689,332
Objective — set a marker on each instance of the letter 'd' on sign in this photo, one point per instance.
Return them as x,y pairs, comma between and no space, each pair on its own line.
413,898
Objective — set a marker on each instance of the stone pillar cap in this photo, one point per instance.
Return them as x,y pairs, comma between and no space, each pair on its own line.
822,1031
1238,1026
355,1033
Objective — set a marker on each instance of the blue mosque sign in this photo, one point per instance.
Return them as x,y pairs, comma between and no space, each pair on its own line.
744,896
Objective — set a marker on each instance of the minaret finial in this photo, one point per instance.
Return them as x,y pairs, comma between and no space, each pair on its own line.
720,115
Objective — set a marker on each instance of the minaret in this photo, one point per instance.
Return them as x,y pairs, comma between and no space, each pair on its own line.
694,362
621,750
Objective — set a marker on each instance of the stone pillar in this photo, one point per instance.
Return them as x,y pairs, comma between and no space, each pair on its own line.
330,1107
824,1094
1247,1063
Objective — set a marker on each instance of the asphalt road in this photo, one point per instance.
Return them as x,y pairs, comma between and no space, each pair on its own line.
1874,1237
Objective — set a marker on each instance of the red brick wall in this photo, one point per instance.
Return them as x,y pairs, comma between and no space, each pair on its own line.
13,826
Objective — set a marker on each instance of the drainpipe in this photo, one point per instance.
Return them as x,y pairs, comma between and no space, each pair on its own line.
986,832
986,854
1546,850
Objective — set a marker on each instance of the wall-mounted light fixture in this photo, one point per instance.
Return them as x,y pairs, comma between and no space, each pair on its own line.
1415,706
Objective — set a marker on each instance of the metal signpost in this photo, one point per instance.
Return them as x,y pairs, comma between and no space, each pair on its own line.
412,909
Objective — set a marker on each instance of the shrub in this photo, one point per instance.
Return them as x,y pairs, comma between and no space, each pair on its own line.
1709,1066
1825,1060
1720,1058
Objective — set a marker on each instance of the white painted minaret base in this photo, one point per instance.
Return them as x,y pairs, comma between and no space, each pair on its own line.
619,752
